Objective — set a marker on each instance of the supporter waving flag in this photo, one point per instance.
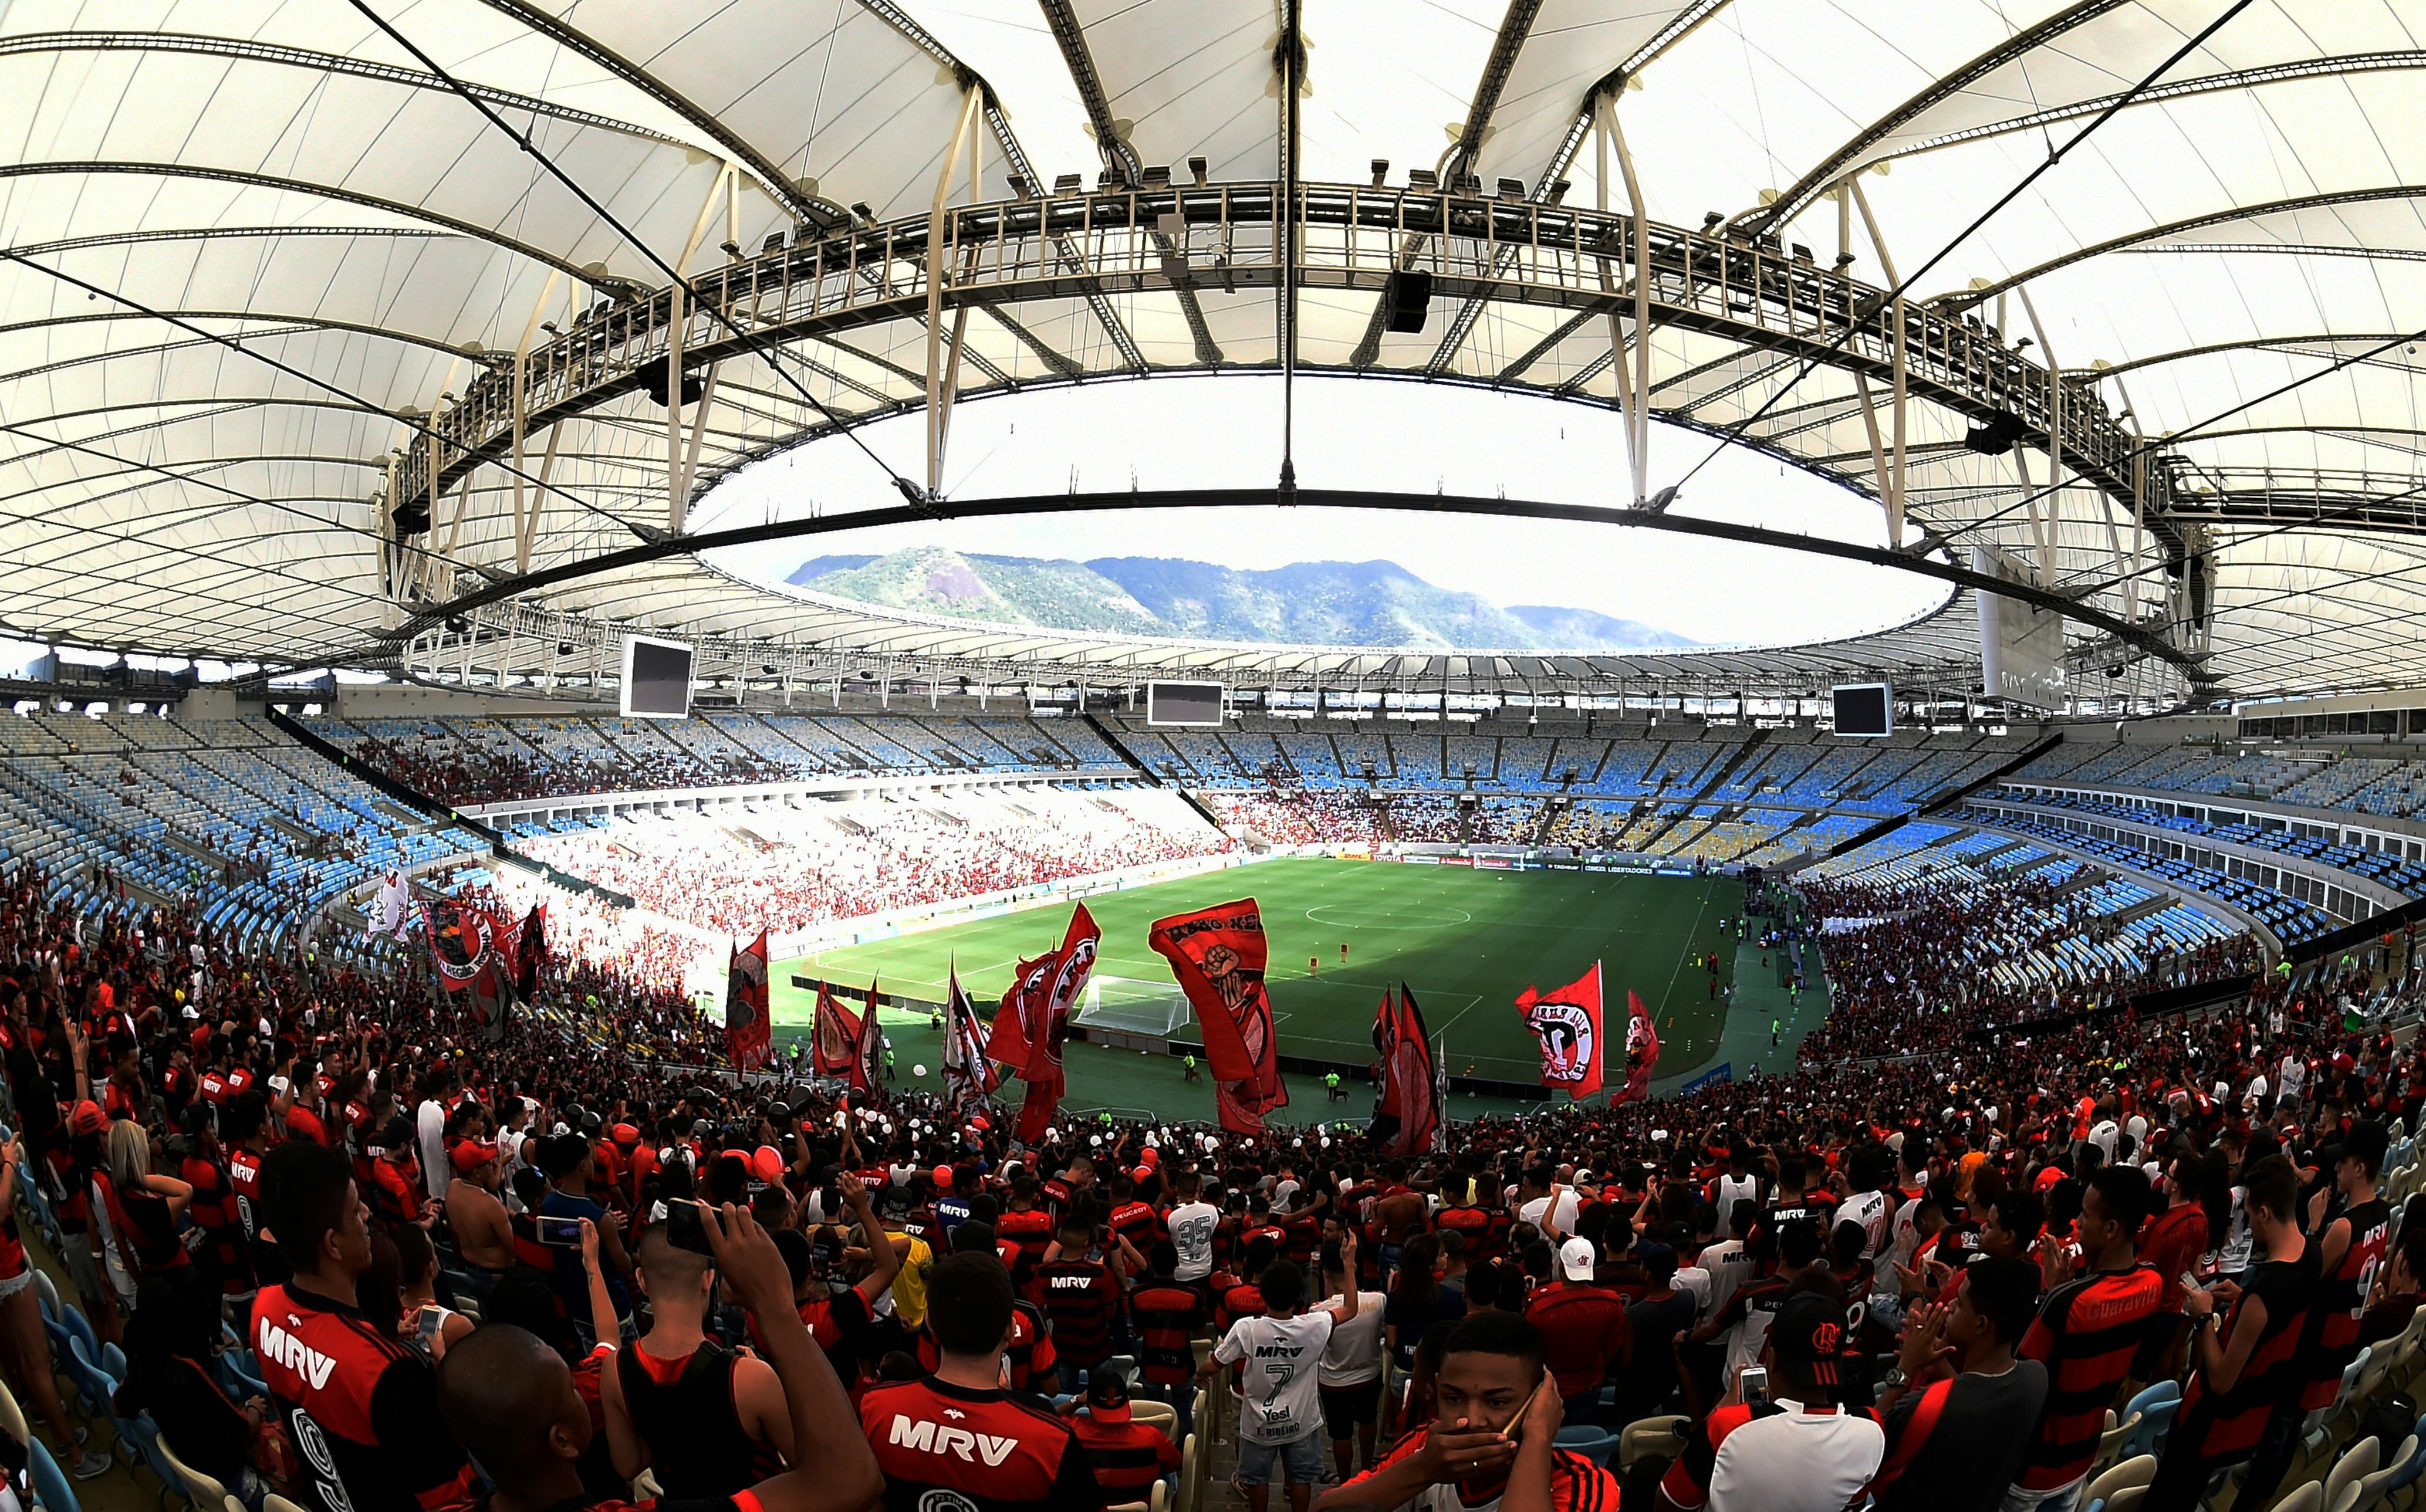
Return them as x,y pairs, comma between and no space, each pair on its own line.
748,1035
1568,1023
1406,1110
1642,1050
968,1075
1219,956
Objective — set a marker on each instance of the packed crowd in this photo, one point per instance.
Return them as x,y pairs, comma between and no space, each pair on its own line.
787,870
1298,817
463,1271
1915,976
468,771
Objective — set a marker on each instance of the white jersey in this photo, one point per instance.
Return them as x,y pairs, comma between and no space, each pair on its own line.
1278,1361
1191,1226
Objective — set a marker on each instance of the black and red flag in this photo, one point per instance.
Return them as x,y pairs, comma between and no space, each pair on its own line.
1642,1050
968,1076
1406,1114
748,1035
1034,1018
463,943
530,952
1568,1023
869,1070
1219,956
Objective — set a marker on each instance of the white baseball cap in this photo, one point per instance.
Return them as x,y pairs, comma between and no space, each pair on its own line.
1576,1259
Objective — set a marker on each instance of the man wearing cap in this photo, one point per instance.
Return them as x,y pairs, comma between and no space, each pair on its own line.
1584,1331
1793,1452
482,1230
1128,1456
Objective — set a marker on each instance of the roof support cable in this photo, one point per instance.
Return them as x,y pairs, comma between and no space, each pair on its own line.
770,350
1894,296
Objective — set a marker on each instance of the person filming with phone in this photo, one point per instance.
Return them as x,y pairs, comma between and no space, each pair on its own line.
710,1420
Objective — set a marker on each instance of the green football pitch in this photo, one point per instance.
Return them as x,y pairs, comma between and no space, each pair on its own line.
1467,942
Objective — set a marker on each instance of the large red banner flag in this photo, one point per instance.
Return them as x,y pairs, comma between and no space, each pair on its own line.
1568,1023
1642,1050
1036,1008
1406,1110
834,1042
1219,956
749,1037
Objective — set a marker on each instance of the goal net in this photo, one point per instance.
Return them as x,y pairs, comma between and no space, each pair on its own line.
1126,1005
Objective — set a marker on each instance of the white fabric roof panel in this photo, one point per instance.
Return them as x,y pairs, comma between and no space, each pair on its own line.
294,180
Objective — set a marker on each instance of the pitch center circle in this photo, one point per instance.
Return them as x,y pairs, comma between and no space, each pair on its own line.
1346,916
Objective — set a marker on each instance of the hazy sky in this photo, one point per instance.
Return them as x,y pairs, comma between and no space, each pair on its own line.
1200,432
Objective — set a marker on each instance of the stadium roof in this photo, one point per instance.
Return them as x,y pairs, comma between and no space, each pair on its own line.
261,263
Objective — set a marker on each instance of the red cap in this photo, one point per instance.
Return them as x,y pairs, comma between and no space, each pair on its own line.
88,1118
1149,1156
1140,1174
943,1178
766,1164
470,1156
624,1133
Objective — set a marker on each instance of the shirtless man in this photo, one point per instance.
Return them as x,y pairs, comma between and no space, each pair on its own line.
484,1239
1399,1213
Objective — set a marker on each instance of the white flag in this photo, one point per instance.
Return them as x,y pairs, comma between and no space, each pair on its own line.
388,911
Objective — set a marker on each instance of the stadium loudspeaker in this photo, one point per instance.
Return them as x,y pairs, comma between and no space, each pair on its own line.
1996,438
1409,299
652,378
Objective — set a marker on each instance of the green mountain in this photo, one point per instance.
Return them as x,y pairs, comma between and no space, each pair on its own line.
1328,603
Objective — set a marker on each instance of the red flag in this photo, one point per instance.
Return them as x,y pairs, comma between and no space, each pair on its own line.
1568,1023
748,1035
834,1043
1036,1113
1642,1050
1007,1043
1219,956
1406,1112
1034,1017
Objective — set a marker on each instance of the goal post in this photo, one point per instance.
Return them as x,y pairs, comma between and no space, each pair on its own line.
1130,1014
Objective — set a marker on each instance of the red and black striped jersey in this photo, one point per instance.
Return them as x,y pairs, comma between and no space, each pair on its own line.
1167,1314
984,1451
2085,1334
1081,1296
1576,1485
360,1407
1033,1232
2331,1341
1127,1456
1138,1223
2218,1425
1481,1233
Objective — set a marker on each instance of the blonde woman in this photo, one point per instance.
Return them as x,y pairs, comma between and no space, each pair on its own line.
144,1207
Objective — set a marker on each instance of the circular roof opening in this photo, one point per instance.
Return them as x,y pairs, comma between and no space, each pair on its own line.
1308,575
